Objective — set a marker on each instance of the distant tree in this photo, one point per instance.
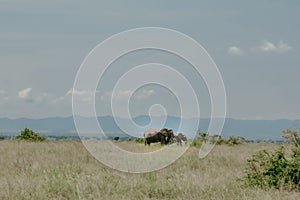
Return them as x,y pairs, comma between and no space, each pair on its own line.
233,140
30,135
205,137
116,138
202,135
218,139
291,136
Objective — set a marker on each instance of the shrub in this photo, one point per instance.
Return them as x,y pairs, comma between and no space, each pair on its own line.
279,169
292,136
276,170
139,140
196,142
30,135
234,140
220,141
216,139
205,137
200,137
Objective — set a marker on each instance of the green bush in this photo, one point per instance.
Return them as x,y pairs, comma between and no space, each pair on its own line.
205,137
292,136
30,135
234,140
139,140
279,169
216,139
196,142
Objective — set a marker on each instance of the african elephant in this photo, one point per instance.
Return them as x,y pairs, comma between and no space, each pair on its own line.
179,137
168,133
155,135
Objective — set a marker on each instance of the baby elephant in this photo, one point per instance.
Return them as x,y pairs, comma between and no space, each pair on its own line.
179,137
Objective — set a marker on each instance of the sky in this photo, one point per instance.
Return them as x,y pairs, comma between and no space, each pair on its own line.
255,45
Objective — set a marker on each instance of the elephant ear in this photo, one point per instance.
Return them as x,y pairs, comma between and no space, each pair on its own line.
164,132
170,130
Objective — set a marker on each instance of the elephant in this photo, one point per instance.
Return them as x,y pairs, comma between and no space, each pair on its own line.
163,136
179,137
168,133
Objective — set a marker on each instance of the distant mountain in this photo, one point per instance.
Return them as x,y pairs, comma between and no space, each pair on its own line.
65,127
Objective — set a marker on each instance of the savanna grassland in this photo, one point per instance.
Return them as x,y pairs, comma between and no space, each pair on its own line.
64,169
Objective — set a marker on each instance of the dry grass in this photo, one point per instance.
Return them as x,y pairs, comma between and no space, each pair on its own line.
65,170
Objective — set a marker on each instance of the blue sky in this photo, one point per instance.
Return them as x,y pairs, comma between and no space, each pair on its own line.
255,44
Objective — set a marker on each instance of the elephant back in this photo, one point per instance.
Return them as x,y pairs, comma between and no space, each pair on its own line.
150,132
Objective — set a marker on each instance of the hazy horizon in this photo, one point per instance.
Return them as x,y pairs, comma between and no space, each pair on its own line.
67,116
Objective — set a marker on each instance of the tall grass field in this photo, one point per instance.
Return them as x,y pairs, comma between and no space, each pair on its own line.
63,169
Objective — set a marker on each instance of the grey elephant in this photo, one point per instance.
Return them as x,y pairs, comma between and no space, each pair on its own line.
163,135
179,138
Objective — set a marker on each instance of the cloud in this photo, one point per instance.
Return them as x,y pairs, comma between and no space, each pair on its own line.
280,48
234,50
23,94
121,95
145,94
27,95
118,95
2,92
42,98
83,95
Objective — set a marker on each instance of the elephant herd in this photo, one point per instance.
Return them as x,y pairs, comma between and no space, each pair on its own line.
164,136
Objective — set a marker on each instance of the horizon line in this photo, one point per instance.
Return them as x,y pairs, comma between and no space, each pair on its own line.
71,116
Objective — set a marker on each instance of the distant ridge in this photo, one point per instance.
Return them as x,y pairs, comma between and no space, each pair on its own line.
65,127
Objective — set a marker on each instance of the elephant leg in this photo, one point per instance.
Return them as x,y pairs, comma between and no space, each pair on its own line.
147,142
